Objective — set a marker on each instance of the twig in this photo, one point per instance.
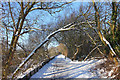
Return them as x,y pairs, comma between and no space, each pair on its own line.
93,41
78,45
91,52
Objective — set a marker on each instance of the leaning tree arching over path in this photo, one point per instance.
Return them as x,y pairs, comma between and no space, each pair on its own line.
65,28
14,19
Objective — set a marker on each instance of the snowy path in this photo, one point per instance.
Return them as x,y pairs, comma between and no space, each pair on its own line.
60,67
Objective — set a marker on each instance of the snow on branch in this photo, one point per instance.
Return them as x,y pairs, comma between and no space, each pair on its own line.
65,28
109,46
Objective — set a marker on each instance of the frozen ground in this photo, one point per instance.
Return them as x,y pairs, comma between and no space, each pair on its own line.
60,67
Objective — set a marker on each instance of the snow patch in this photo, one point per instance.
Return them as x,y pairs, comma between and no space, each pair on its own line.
61,67
60,56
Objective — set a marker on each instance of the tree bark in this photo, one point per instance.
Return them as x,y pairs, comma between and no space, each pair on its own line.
114,16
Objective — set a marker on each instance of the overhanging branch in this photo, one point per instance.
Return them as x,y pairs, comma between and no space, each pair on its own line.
65,28
54,7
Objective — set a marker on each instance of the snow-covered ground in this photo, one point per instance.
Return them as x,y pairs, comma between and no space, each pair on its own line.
59,67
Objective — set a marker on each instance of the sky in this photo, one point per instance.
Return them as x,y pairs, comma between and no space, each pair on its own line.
46,18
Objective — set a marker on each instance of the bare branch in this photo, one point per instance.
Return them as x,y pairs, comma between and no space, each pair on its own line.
22,47
105,42
37,8
25,32
27,4
91,52
11,15
70,27
93,42
4,26
34,28
89,23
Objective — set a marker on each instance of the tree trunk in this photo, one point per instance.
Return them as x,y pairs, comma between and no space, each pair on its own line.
104,41
114,16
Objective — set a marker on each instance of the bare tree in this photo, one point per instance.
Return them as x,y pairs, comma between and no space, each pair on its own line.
65,28
18,12
105,42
